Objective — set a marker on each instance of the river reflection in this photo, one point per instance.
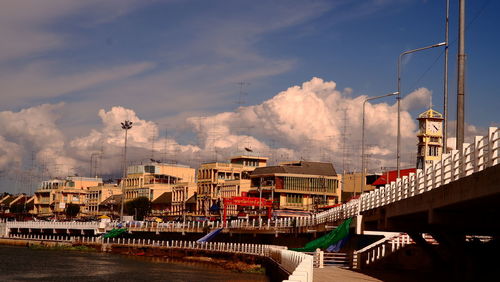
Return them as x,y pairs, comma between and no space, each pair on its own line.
24,264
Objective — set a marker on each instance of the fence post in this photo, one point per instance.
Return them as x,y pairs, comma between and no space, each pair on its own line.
320,255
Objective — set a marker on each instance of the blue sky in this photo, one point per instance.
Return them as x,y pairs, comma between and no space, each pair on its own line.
172,61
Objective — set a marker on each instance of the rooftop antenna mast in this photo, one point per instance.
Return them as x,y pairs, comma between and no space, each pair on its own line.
98,165
242,94
344,135
165,156
153,145
241,102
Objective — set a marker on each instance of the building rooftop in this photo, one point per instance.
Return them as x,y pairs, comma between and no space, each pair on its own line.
165,198
430,113
391,176
302,167
112,200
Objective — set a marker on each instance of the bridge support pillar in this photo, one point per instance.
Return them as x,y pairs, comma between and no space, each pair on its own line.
452,244
431,251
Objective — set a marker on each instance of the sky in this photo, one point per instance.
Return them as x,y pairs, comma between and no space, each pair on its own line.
203,80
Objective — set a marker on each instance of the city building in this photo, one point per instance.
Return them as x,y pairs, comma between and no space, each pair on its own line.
352,182
54,195
430,138
97,195
181,195
301,185
152,180
220,180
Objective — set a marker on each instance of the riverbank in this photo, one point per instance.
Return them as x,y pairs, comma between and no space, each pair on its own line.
233,262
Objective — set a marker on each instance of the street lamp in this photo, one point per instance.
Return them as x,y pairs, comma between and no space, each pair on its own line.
126,125
363,138
398,156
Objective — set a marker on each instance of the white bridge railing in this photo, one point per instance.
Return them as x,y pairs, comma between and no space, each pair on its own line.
383,248
483,153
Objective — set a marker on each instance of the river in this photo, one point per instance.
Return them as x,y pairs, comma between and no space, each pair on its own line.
25,264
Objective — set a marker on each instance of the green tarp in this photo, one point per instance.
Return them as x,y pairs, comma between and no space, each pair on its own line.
115,233
329,239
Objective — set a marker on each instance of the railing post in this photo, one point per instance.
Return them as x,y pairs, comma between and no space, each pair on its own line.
320,256
493,146
477,154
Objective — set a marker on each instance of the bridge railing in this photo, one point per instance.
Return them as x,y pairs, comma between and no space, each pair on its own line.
298,264
383,248
474,157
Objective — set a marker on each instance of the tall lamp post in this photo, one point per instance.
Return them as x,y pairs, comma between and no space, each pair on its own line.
363,139
398,155
126,125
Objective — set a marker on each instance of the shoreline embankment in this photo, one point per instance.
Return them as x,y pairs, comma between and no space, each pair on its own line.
245,263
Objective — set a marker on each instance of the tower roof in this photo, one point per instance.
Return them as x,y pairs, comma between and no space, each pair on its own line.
430,113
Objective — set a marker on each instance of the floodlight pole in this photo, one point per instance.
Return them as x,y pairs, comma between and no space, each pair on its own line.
363,180
126,125
398,154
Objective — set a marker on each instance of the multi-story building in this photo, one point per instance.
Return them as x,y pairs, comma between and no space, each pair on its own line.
97,195
219,180
352,182
53,195
181,194
20,203
297,185
152,180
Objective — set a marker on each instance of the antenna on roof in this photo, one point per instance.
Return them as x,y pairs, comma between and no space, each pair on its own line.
241,94
153,144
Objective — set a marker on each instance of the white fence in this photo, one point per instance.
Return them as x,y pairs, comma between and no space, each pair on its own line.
483,153
300,266
52,225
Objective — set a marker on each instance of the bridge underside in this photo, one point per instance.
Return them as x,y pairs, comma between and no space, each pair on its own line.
468,205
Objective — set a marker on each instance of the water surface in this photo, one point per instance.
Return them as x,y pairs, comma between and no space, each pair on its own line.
24,264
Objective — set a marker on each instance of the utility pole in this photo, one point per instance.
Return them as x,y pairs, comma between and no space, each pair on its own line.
445,87
461,76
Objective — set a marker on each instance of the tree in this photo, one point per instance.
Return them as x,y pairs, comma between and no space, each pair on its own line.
140,207
72,210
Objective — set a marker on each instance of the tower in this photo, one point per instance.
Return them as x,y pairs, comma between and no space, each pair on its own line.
430,138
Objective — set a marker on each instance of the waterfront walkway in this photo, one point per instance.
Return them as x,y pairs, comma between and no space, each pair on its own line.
332,273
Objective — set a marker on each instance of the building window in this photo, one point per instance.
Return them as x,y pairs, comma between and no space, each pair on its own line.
433,151
294,199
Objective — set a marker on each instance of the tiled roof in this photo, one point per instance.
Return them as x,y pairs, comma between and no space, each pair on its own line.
302,167
165,198
112,200
191,200
430,113
393,174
